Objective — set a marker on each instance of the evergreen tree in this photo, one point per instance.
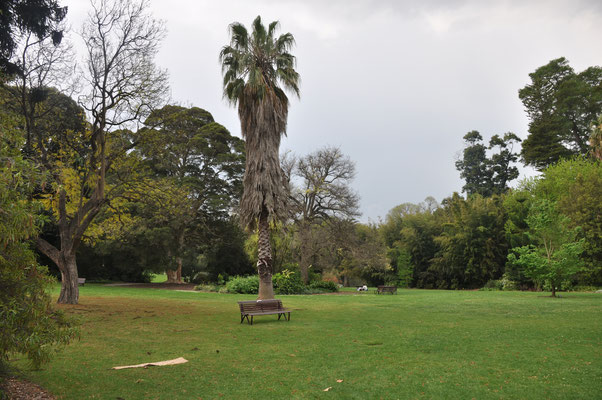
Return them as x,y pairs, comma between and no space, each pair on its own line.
562,106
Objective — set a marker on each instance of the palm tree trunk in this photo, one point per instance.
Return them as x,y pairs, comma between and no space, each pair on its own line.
264,261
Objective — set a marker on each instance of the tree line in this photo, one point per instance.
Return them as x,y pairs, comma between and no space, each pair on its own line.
543,234
546,232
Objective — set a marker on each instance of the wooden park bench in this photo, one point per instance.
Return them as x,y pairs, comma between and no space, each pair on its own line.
81,281
262,307
386,289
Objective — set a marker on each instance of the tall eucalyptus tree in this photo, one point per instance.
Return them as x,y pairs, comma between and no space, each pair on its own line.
257,68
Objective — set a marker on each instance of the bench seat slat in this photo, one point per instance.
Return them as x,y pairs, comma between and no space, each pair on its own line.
268,312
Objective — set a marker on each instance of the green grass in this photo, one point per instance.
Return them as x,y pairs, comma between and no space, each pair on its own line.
159,278
416,344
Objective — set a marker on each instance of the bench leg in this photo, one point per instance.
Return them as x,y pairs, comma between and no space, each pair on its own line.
251,320
289,316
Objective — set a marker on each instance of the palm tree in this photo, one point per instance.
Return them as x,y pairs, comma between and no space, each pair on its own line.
255,69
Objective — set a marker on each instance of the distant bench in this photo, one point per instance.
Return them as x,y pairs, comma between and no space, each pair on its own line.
262,307
386,289
81,281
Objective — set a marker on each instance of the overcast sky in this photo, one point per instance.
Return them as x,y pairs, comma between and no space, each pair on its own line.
394,84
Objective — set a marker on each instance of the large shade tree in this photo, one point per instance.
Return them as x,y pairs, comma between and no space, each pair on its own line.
123,85
561,105
198,157
257,68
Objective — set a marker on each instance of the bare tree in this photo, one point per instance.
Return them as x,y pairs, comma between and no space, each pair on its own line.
41,63
124,85
324,195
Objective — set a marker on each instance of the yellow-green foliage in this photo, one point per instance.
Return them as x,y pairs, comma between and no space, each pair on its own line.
28,323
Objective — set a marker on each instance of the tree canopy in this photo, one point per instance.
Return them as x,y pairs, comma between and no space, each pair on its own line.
562,106
257,68
18,17
488,175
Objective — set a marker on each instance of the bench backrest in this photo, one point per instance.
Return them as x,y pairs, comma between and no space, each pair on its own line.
260,305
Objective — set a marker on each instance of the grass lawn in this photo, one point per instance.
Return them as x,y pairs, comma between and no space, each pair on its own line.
159,278
416,344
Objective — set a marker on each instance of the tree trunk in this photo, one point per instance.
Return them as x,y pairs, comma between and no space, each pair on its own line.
304,267
553,289
179,256
264,260
174,275
66,262
69,284
305,250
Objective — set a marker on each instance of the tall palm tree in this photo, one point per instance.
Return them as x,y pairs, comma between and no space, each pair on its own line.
255,69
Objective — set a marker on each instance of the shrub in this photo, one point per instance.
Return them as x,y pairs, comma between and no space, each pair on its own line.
243,284
331,277
199,278
207,288
493,284
328,286
584,288
288,282
507,283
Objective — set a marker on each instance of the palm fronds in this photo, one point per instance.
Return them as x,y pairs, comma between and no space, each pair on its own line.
257,68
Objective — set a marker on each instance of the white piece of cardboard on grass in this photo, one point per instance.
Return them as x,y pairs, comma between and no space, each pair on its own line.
179,360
